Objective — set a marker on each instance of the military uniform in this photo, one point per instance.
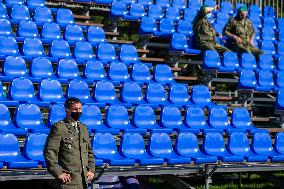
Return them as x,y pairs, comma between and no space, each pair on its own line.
244,30
68,150
204,33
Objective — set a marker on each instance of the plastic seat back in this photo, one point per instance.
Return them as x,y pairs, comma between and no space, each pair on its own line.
268,47
212,59
8,46
43,15
5,118
136,10
248,61
187,144
3,11
14,2
261,143
269,22
148,25
118,8
254,10
60,49
106,52
179,41
132,146
67,69
51,31
178,94
189,14
166,27
104,91
79,89
20,12
266,62
280,48
96,35
41,68
161,145
180,4
118,71
15,67
195,117
131,92
128,53
33,48
247,79
140,73
171,117
222,18
91,116
238,144
155,93
265,79
5,28
200,95
56,113
34,146
64,16
73,33
218,118
279,80
163,74
21,89
230,59
226,7
213,144
163,3
144,117
9,148
279,142
27,29
50,91
173,13
105,146
94,70
185,28
33,4
145,3
240,118
117,117
155,11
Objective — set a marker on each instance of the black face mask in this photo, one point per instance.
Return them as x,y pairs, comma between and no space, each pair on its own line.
76,115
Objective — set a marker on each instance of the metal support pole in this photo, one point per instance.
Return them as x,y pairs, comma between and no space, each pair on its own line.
208,180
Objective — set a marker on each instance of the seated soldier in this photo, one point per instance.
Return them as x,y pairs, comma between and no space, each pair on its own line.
240,32
204,32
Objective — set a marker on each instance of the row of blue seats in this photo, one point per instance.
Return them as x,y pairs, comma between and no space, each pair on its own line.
160,150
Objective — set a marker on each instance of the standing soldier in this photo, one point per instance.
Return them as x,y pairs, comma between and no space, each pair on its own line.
204,32
68,153
240,31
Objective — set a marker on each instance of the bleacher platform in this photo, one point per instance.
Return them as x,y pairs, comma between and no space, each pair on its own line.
153,105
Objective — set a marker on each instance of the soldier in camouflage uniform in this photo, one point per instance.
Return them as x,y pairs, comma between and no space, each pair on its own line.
204,32
68,153
241,33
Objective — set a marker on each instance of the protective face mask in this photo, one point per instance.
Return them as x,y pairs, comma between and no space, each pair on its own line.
209,15
76,115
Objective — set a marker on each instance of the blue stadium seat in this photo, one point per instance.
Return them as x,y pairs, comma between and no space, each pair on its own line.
265,81
213,144
3,11
33,148
226,7
163,74
256,21
148,25
222,18
145,3
280,48
172,13
6,126
187,146
118,8
8,47
262,145
128,54
211,60
4,100
27,29
178,95
279,104
33,48
118,73
105,146
141,74
195,119
41,68
268,47
73,34
254,10
29,116
13,67
144,118
195,5
129,2
83,51
238,144
247,79
131,93
33,4
92,117
266,63
64,17
200,96
60,49
155,94
19,13
10,3
269,22
248,61
107,2
279,143
117,118
42,15
160,146
155,11
279,81
189,14
171,118
185,28
280,63
5,28
11,155
136,12
50,31
132,146
106,52
268,34
79,89
163,3
96,35
50,91
218,27
280,24
179,41
56,113
240,119
166,28
230,62
180,4
94,71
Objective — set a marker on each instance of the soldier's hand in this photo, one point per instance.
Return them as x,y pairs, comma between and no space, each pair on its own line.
238,39
217,7
90,176
65,177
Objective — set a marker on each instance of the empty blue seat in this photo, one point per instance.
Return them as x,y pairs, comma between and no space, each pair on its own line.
10,3
279,99
180,4
11,155
60,49
106,52
41,68
19,13
195,5
132,146
238,145
5,28
160,146
141,74
280,63
148,25
128,54
267,34
96,35
172,13
131,93
33,4
117,117
226,7
268,47
185,28
218,27
269,22
145,3
280,48
155,11
200,95
214,145
266,62
222,18
179,41
248,61
265,81
195,119
247,79
280,23
33,48
279,80
279,143
118,73
50,91
27,29
256,21
33,148
13,67
94,71
22,89
254,10
189,14
8,47
105,146
29,116
83,51
187,146
230,62
3,11
156,95
6,126
79,89
118,8
163,74
163,3
166,27
136,12
211,59
64,17
42,15
73,34
56,113
50,31
178,95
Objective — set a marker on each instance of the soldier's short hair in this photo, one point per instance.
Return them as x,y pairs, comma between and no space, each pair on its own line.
70,101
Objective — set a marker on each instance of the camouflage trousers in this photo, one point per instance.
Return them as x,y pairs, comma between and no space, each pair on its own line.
240,48
213,46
